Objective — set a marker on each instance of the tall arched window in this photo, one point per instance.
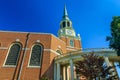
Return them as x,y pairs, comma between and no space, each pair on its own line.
72,43
36,55
13,54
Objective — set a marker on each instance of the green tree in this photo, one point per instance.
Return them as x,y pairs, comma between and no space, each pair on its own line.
93,66
114,39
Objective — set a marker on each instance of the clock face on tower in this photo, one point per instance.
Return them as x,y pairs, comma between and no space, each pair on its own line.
69,32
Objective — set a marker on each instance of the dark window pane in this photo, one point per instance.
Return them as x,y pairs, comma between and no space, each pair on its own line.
71,43
68,24
58,51
35,59
13,55
63,24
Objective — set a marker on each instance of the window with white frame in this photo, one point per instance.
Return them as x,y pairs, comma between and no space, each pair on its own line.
13,54
72,43
59,51
36,55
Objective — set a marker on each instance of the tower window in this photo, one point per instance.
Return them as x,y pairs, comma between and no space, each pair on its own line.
68,24
71,43
64,24
58,51
36,55
13,54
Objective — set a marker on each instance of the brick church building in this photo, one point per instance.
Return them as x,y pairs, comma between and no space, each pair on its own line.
30,56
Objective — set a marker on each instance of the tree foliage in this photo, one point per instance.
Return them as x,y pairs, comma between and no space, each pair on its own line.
93,66
114,39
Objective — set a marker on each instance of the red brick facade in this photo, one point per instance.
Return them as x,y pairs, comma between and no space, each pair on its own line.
50,43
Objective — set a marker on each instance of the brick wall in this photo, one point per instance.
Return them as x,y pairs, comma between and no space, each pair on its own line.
50,43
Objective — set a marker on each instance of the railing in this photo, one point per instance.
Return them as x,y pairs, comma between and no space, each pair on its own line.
88,50
97,49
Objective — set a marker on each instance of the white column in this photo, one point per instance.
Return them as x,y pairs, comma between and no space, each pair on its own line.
55,71
64,73
72,69
107,61
58,71
109,64
68,72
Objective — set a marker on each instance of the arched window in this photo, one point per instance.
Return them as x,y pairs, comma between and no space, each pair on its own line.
13,54
68,24
64,24
36,55
72,43
58,51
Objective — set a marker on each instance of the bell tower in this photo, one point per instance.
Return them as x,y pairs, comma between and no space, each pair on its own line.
66,28
68,34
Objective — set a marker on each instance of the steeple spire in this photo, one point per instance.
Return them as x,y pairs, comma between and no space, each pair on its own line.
65,14
66,28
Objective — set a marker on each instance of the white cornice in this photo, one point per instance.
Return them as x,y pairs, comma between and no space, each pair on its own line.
50,50
73,49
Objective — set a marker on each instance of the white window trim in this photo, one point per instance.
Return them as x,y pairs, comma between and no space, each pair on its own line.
9,66
33,66
30,58
8,54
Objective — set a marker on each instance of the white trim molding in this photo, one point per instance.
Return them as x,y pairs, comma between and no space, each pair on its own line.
50,50
8,48
3,47
73,49
25,48
11,66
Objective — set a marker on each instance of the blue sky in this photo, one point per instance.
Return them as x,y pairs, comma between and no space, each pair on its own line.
91,18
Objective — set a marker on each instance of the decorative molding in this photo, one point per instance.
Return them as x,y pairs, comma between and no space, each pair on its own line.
50,50
73,49
8,48
11,66
25,48
70,47
59,46
33,66
38,41
17,40
3,47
